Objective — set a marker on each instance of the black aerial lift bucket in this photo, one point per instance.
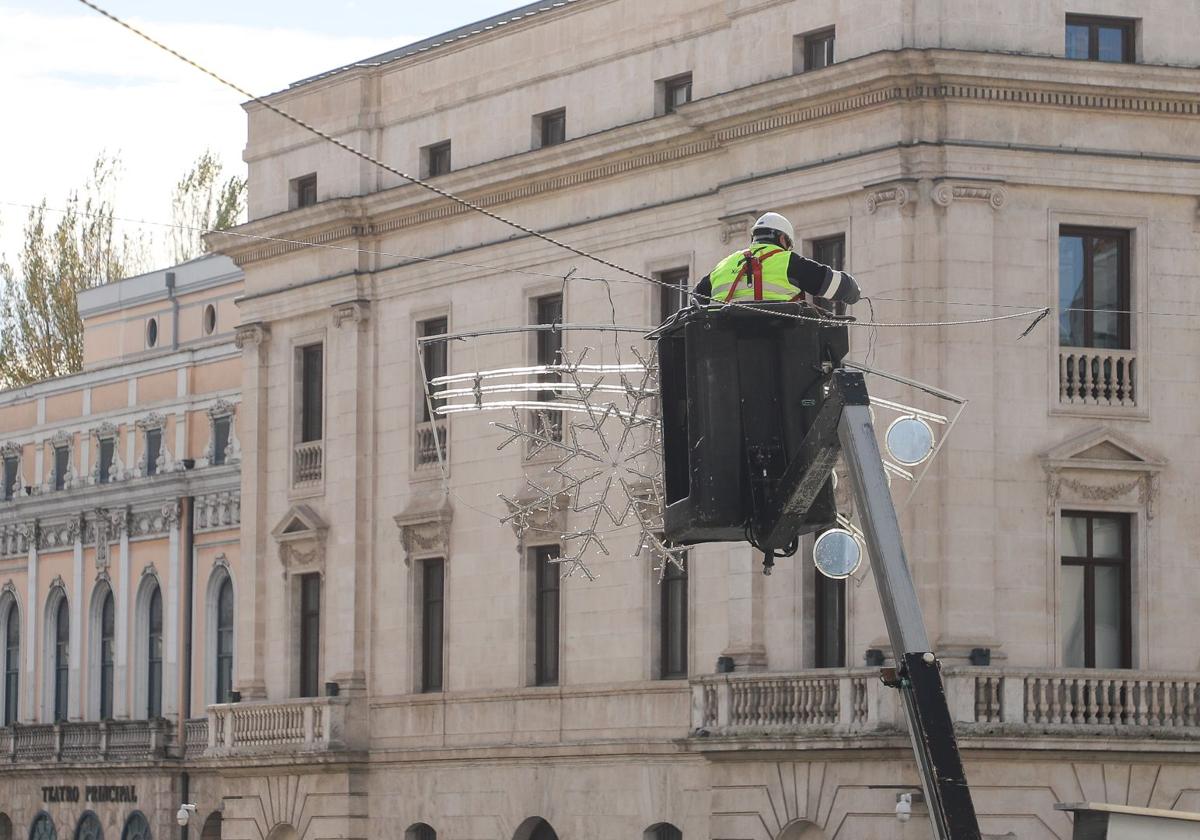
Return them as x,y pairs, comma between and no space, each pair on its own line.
741,386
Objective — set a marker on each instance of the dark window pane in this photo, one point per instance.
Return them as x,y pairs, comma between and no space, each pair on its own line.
1070,291
306,191
830,251
666,831
62,650
549,347
830,621
553,128
1094,604
12,664
432,612
434,355
1093,288
136,828
62,460
312,375
1071,616
43,828
673,294
818,50
547,617
543,831
1077,41
107,447
10,479
310,635
674,618
154,656
438,159
220,439
107,643
677,92
89,828
1108,608
153,450
224,641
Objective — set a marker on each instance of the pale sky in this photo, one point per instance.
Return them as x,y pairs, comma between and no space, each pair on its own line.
75,83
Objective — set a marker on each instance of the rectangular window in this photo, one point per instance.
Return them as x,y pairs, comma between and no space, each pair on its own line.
62,461
829,598
830,251
546,615
220,433
303,191
153,450
1094,602
310,635
433,585
673,293
674,617
434,355
676,91
551,128
107,448
816,50
436,159
312,386
10,478
1093,288
549,310
1090,38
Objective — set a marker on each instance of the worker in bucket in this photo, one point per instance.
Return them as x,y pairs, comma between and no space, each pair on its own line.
770,271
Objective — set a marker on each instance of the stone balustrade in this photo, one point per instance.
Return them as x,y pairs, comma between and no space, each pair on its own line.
87,741
430,436
829,700
999,700
310,724
1097,377
308,460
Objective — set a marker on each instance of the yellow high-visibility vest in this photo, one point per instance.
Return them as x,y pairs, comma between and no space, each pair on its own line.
758,273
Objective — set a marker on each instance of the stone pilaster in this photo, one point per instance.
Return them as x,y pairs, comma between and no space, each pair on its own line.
747,609
33,606
118,521
251,627
171,612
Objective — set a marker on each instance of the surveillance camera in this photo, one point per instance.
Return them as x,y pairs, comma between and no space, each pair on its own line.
904,807
184,813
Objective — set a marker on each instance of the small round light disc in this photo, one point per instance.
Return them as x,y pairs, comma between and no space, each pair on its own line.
909,440
836,553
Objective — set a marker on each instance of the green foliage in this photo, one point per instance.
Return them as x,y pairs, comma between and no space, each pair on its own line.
41,335
200,203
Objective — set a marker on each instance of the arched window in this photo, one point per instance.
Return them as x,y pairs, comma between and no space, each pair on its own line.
62,657
224,641
420,831
5,827
89,827
154,655
212,827
108,644
136,828
12,662
43,828
535,828
663,831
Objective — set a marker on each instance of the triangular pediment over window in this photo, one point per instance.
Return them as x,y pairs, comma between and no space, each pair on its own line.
299,522
1101,448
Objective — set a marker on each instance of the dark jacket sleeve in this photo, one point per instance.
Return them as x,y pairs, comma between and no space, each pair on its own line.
822,281
702,291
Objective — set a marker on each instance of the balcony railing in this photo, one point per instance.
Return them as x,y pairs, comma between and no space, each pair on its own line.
1093,377
309,724
1014,700
430,436
134,740
307,462
828,700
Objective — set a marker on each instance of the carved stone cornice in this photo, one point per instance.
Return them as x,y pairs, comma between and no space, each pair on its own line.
425,529
222,408
16,538
251,335
897,194
300,536
945,193
1102,466
217,511
353,311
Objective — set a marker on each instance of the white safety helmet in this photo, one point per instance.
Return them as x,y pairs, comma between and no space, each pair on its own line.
776,222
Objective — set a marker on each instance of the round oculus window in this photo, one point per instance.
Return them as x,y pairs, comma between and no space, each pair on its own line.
152,332
210,319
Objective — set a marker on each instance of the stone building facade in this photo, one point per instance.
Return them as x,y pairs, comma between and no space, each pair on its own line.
965,161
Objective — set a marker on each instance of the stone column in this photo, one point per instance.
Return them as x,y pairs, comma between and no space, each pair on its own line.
347,487
75,700
968,363
119,522
250,626
33,605
747,611
171,612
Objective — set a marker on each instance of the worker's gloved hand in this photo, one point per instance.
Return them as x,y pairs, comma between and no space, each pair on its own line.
848,292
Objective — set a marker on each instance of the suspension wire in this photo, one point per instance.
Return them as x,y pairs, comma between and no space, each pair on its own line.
469,205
